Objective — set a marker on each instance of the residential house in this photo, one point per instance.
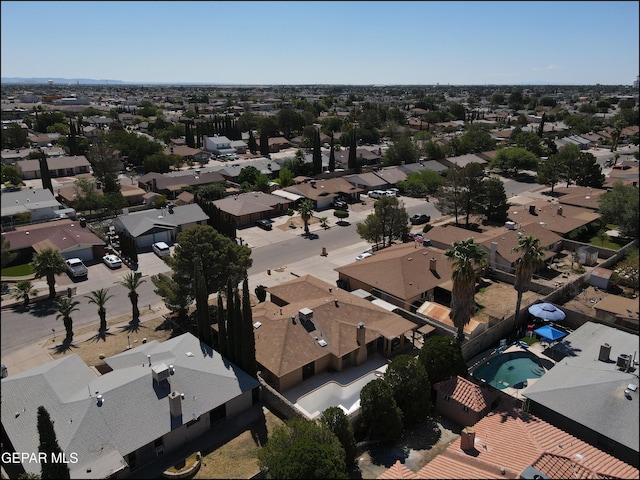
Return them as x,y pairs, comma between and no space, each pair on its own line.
68,236
463,160
462,401
307,327
277,144
43,139
500,245
581,142
239,146
70,194
434,165
511,443
39,203
585,197
367,181
404,275
392,175
246,208
323,192
218,145
592,392
171,184
444,236
185,198
618,310
160,225
561,219
187,153
58,167
172,392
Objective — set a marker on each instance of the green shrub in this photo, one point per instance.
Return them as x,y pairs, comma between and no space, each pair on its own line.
341,213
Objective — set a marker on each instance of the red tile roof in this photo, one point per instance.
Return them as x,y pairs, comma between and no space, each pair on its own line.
397,470
511,439
465,392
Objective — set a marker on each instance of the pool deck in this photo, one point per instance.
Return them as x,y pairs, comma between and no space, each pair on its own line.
538,349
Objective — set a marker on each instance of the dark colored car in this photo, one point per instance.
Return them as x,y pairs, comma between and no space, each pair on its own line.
340,204
264,223
419,218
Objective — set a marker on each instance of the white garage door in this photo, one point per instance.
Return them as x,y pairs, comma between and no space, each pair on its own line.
84,254
148,240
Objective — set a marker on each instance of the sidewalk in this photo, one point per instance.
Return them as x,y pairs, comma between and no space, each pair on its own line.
38,354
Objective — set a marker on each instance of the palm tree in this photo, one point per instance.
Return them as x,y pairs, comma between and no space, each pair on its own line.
66,307
465,256
99,298
24,288
49,263
531,258
306,210
131,281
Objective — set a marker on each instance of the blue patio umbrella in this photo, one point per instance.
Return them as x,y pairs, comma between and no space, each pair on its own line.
549,333
546,311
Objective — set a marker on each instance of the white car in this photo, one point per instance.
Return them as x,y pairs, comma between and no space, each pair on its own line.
376,193
112,261
364,255
161,249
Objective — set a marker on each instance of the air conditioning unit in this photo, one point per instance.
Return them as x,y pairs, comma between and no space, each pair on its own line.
623,361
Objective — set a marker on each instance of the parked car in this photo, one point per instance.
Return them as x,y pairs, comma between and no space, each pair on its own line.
419,218
394,191
414,236
364,255
265,224
390,193
376,193
161,249
112,261
76,268
340,204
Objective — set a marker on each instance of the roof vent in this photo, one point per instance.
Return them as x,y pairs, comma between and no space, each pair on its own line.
322,342
160,372
605,350
257,324
305,314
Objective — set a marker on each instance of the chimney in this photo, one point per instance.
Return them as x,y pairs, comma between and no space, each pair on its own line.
492,255
432,264
467,439
559,211
532,209
175,404
360,334
605,350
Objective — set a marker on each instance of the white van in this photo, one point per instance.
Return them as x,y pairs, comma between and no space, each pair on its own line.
161,249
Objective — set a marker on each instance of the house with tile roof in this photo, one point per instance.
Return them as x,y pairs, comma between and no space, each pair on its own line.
511,443
404,275
307,327
462,401
589,393
159,224
147,402
444,236
187,153
397,471
585,197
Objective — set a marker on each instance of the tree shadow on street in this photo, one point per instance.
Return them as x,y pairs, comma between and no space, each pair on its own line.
41,308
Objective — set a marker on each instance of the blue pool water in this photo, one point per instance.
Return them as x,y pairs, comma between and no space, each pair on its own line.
510,369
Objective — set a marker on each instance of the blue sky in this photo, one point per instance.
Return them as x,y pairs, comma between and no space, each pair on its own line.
360,43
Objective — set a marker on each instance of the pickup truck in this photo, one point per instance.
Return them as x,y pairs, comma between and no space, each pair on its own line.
76,268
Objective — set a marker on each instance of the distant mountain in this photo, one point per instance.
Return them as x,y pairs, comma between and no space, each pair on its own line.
58,81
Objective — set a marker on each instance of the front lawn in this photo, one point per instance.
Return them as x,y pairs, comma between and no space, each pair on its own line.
18,270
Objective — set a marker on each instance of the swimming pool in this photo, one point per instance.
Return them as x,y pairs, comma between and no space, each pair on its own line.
510,369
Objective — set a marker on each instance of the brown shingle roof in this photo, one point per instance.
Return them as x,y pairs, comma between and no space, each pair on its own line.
401,270
571,217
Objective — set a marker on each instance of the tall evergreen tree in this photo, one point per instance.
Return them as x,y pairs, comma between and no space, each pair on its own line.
264,144
231,320
317,154
541,127
202,305
332,156
44,172
72,142
353,146
252,145
222,328
248,339
237,328
49,445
